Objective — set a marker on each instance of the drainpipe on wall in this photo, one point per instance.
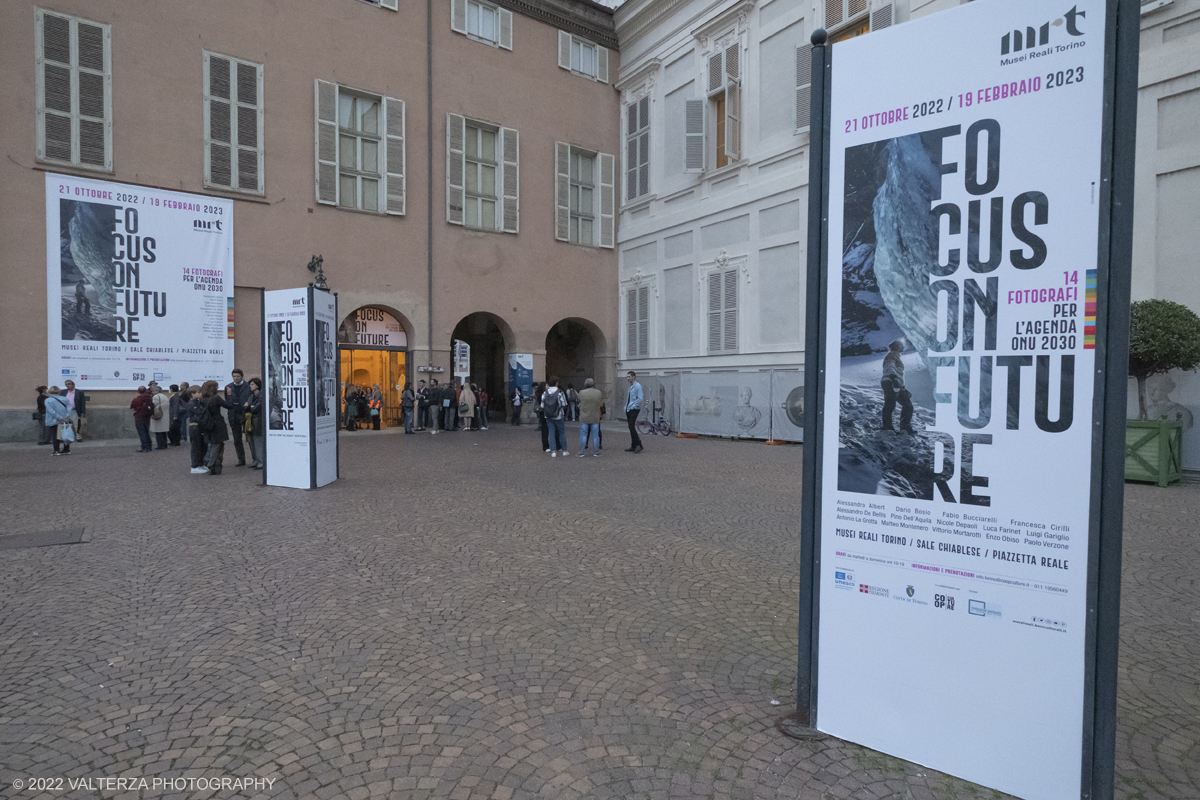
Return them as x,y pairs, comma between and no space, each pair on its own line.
429,182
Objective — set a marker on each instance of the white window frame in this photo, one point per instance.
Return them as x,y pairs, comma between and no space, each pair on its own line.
477,164
578,187
392,154
724,72
570,54
603,196
502,25
361,139
637,148
75,68
236,105
507,165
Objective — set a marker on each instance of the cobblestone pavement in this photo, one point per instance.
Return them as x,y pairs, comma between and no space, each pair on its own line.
463,617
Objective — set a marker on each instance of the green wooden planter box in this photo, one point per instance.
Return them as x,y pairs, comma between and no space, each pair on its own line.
1153,451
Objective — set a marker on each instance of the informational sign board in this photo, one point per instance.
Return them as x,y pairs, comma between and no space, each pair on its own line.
967,204
461,358
372,327
520,373
301,387
139,284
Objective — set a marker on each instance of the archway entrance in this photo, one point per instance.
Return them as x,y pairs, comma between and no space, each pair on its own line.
374,350
485,333
571,352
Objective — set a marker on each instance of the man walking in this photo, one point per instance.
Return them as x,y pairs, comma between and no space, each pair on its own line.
633,404
422,401
554,407
237,395
589,417
142,406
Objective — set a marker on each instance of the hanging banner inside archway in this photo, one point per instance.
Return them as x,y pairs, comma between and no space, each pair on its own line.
372,327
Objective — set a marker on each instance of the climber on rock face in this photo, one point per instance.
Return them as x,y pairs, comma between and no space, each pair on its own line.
893,389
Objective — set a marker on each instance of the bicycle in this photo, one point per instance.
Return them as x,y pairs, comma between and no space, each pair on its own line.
655,425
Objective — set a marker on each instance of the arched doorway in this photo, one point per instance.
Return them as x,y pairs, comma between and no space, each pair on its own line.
373,344
487,335
571,349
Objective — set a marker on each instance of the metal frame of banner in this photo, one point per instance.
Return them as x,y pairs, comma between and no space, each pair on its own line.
312,406
1114,268
262,333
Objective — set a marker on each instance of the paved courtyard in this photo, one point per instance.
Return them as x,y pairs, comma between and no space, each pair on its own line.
461,616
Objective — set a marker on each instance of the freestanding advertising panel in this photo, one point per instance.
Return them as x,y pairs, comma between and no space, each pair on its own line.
301,381
966,275
139,284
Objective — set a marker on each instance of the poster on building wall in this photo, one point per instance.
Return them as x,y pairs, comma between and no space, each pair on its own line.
963,245
372,327
520,373
139,284
288,388
325,386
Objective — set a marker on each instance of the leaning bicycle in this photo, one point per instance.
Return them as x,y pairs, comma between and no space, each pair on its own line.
656,424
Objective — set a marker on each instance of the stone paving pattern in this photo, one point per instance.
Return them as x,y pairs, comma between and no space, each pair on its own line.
461,616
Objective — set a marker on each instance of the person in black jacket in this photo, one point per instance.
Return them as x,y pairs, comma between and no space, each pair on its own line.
237,397
538,392
40,417
258,443
212,425
193,408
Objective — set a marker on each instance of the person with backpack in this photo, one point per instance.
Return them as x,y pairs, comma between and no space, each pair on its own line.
539,391
212,425
554,409
237,399
572,403
590,401
58,422
407,401
516,403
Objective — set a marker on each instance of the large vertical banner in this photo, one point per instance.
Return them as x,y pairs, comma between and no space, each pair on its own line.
139,284
964,197
288,388
325,386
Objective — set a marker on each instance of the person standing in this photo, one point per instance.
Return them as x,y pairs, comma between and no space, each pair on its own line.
237,402
572,403
40,416
58,422
483,409
185,396
142,406
435,405
893,389
590,400
407,401
78,402
554,409
539,392
516,403
422,402
193,411
160,416
633,404
466,407
258,442
212,423
376,405
176,403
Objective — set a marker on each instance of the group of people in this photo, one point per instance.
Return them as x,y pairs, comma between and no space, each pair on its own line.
554,406
364,407
444,407
60,416
207,417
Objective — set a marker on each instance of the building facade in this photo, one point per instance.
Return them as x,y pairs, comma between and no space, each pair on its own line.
458,184
712,234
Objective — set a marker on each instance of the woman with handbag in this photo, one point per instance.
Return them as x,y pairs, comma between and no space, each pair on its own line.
254,425
351,408
376,407
39,416
58,422
466,406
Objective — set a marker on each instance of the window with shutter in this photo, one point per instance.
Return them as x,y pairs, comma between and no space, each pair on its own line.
73,66
693,149
608,199
510,150
722,311
584,196
480,178
725,99
482,175
803,87
455,168
637,149
395,155
846,19
582,57
881,17
482,22
562,191
358,153
233,124
360,150
637,322
327,137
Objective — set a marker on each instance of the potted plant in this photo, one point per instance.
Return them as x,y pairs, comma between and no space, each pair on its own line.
1162,336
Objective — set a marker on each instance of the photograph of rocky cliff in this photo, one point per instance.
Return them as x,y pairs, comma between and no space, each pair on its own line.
88,298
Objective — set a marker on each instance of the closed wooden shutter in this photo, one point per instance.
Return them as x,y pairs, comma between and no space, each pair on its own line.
249,127
458,16
455,167
644,147
631,323
74,90
714,312
564,50
803,87
631,150
218,129
833,12
602,64
506,31
730,337
733,102
722,311
562,191
327,137
881,17
715,73
607,164
643,306
394,155
693,148
510,151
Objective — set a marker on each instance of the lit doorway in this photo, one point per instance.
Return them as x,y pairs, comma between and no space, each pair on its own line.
365,368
